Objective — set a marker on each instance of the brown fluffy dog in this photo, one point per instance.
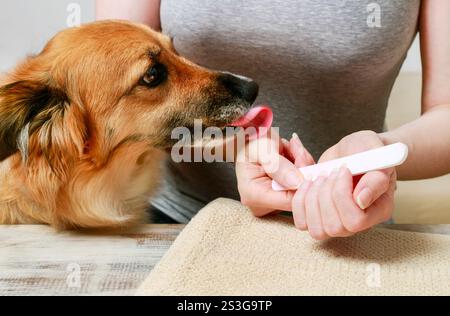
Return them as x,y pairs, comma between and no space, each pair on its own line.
84,125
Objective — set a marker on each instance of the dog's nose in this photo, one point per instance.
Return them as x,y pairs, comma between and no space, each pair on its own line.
239,86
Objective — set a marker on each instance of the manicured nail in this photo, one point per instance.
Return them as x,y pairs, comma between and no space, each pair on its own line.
297,139
293,180
364,198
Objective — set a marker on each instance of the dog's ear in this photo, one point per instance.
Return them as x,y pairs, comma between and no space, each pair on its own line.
25,106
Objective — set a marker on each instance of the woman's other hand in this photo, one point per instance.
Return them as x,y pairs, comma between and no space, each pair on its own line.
267,158
340,205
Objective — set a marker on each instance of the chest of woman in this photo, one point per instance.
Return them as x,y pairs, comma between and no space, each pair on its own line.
317,35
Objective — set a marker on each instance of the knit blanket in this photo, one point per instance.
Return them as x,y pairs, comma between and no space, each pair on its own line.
225,250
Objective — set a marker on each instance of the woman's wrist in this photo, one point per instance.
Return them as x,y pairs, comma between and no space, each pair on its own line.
393,137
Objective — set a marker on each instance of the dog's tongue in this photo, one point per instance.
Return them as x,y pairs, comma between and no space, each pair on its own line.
259,117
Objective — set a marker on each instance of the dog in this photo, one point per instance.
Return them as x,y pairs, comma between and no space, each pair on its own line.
85,124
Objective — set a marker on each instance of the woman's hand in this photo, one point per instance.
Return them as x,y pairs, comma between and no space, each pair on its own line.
333,207
267,158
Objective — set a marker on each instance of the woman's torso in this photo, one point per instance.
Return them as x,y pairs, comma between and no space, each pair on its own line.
325,67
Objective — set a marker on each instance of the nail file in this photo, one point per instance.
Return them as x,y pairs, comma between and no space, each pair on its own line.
376,159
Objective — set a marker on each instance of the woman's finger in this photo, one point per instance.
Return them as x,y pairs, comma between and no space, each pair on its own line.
266,152
298,206
283,171
371,186
331,220
255,189
302,157
286,150
352,217
260,211
381,210
313,217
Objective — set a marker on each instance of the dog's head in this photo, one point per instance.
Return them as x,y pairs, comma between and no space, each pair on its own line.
107,83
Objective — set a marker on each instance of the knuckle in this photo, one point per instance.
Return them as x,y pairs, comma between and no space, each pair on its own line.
297,203
318,234
324,189
356,225
368,133
247,198
300,224
297,198
256,212
379,179
241,188
334,230
260,211
311,197
329,154
284,173
272,166
365,138
245,201
338,192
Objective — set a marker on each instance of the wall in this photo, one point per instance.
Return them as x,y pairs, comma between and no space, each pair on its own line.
26,25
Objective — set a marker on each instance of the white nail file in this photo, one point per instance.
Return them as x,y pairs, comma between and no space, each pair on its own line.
376,159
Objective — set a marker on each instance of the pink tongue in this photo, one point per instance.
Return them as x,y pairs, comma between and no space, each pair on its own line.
257,117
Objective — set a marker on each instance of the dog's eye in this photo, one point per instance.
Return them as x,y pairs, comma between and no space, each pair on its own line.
154,76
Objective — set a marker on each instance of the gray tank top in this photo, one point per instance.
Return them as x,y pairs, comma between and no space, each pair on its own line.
325,67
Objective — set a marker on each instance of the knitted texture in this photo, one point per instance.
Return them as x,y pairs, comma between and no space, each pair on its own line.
227,251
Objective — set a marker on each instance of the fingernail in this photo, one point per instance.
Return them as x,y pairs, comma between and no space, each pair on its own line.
285,141
364,198
293,181
297,139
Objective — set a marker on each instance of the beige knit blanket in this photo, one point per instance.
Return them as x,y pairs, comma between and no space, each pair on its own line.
227,251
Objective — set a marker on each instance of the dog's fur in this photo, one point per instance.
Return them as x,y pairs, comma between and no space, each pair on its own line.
82,132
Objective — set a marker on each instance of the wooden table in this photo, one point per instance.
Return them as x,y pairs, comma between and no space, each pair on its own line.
36,260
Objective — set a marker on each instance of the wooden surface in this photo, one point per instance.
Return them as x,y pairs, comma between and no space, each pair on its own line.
430,229
36,260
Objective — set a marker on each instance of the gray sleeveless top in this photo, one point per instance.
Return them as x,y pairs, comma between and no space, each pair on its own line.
325,67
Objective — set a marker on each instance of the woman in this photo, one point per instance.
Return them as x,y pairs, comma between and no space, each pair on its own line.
327,68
